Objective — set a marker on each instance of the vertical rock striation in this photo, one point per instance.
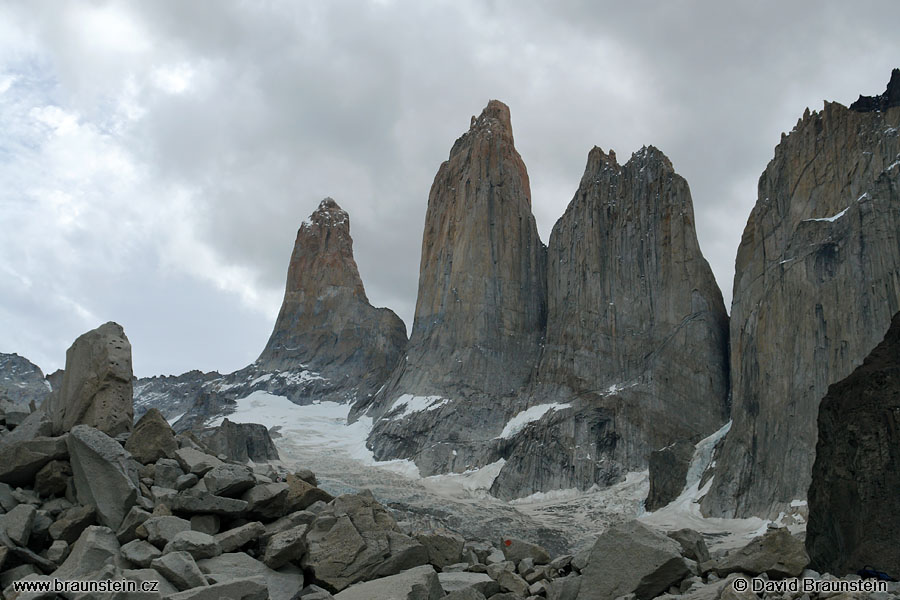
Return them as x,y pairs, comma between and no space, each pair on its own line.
326,326
481,306
854,509
637,333
817,280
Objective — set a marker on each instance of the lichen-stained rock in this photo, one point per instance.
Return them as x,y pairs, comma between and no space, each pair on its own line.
854,508
481,305
326,323
817,280
356,539
637,334
96,388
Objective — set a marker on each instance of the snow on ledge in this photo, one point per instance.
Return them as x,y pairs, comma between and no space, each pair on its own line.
535,413
413,404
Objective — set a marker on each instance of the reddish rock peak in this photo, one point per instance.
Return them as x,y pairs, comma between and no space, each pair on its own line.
493,119
323,254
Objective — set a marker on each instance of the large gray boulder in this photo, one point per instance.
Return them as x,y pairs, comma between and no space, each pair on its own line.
193,501
854,507
480,582
241,441
179,568
97,383
253,588
815,288
197,544
282,584
776,553
236,538
419,583
443,550
21,461
229,480
631,558
517,550
71,522
194,461
160,530
356,539
285,547
140,553
18,523
105,475
152,438
96,548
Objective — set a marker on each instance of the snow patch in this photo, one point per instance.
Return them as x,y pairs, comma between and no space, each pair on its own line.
298,377
321,426
261,379
413,404
830,219
174,419
535,413
834,218
471,480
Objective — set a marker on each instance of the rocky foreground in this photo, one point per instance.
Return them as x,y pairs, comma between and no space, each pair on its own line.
153,506
149,513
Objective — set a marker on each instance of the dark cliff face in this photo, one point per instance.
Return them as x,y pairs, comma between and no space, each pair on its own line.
636,341
889,99
326,325
854,509
816,283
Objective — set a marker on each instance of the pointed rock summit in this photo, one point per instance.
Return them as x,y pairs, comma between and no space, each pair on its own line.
816,284
636,352
327,331
481,305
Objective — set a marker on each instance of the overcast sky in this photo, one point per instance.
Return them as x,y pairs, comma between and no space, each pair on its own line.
156,158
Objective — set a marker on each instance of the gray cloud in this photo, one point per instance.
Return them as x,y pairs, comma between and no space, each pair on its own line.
158,157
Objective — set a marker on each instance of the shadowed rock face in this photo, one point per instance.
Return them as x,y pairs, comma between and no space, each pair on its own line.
326,324
481,306
890,97
854,509
637,334
817,280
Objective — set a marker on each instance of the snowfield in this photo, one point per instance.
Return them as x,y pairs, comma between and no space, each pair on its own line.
318,437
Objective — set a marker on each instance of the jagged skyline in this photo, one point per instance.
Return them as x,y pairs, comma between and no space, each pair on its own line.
159,158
